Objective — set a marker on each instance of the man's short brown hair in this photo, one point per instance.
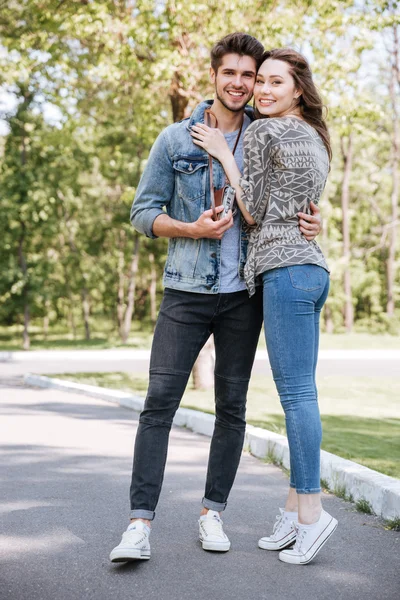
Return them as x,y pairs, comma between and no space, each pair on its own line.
236,43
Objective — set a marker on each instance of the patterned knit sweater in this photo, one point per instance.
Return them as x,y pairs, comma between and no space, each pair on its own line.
285,168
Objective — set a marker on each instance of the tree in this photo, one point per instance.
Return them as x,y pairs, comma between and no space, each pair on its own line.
393,90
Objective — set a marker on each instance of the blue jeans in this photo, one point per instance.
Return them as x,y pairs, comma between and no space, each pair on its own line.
293,299
185,322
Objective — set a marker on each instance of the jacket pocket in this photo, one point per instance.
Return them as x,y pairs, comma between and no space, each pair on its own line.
190,177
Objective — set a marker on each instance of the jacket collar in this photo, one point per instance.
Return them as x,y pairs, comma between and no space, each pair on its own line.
197,115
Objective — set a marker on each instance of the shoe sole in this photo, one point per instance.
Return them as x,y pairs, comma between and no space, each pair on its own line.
128,555
269,546
331,530
223,547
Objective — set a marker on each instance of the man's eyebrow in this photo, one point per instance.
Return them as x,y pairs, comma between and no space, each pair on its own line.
228,70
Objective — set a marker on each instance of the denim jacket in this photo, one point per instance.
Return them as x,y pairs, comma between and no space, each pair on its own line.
176,178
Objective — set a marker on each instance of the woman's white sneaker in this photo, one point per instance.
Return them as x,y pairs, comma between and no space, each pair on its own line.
283,533
211,533
309,540
134,545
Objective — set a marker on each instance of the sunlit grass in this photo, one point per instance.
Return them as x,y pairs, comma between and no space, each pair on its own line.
359,341
104,335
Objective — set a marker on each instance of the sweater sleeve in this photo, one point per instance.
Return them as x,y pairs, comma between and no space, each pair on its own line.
257,168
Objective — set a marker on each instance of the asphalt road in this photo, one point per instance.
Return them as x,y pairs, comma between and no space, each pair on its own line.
64,503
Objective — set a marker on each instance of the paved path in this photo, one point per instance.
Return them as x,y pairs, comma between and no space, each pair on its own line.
357,363
64,486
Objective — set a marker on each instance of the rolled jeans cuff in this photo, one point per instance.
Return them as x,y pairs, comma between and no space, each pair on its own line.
142,514
211,505
309,491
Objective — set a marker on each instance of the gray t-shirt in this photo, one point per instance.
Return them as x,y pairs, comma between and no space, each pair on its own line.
230,243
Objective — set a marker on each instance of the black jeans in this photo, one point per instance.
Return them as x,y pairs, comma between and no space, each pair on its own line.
185,322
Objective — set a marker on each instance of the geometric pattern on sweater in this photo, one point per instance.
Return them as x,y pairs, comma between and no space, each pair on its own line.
285,168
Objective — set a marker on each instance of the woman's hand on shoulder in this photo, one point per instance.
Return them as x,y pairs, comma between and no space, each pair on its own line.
212,140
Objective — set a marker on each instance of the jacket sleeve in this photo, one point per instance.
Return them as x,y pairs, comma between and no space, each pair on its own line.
257,169
155,189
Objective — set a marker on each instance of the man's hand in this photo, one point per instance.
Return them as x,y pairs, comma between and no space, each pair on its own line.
310,225
205,227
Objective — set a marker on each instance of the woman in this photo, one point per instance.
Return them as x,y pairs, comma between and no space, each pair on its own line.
286,163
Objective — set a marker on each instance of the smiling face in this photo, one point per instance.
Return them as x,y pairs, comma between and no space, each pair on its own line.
234,81
275,92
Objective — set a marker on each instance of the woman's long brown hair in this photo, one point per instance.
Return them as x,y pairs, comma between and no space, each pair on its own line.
310,102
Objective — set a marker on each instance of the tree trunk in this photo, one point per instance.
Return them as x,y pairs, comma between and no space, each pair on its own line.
348,164
131,292
327,312
391,260
86,311
329,326
22,262
46,319
121,291
179,99
25,290
203,370
71,316
153,289
26,339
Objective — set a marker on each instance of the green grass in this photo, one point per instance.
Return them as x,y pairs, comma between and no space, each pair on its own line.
360,415
364,506
393,524
340,492
325,485
104,335
359,341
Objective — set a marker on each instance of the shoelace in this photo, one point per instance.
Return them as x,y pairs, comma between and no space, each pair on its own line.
300,533
277,524
136,533
214,526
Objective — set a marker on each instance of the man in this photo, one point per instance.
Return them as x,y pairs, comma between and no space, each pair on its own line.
204,294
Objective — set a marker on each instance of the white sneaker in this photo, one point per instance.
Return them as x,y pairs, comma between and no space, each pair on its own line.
283,533
134,544
211,534
309,540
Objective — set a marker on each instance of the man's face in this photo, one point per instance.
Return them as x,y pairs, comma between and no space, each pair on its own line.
234,81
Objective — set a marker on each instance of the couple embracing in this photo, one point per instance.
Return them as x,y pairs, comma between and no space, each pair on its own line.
227,273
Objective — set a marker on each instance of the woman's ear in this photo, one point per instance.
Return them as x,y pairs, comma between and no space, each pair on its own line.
298,93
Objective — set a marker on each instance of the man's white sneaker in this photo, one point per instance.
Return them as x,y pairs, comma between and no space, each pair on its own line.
211,534
134,544
309,540
283,533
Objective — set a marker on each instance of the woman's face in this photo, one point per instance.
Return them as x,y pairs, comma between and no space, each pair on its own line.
275,93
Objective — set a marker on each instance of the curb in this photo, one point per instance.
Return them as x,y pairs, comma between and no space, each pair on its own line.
349,478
